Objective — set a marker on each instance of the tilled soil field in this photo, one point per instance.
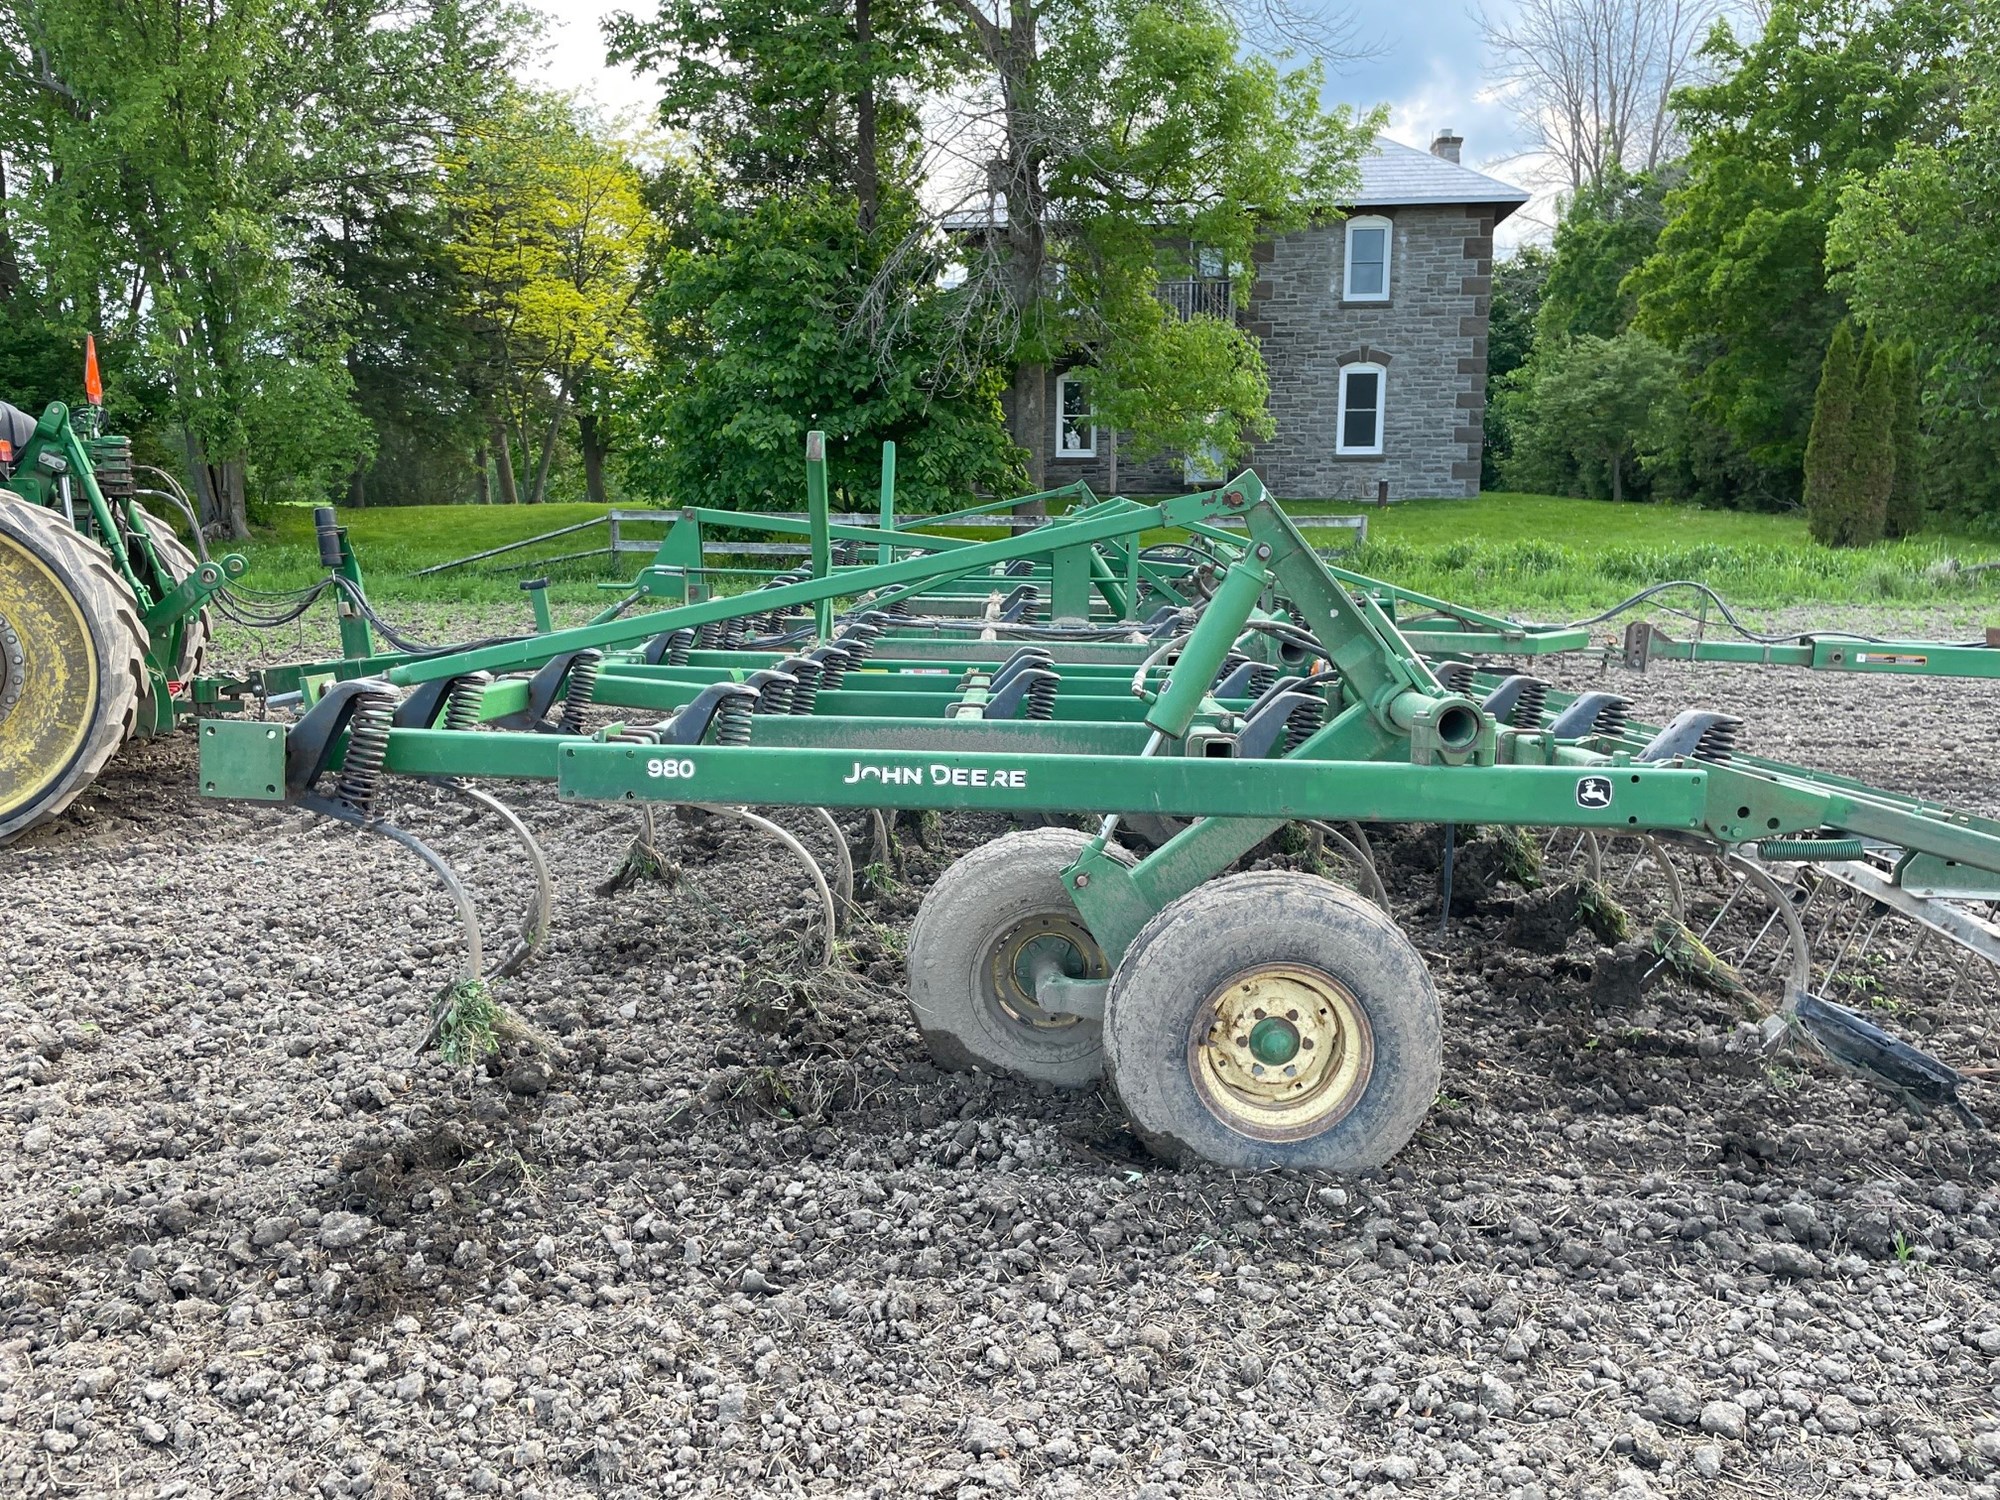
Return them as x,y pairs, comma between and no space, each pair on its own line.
743,1239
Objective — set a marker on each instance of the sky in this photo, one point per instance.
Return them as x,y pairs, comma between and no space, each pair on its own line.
1426,62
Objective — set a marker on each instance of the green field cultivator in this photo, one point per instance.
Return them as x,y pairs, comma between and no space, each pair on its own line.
1152,691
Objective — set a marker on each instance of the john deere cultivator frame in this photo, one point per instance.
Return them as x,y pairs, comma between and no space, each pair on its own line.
1089,667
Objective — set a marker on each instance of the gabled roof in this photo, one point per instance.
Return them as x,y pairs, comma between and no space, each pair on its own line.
1393,174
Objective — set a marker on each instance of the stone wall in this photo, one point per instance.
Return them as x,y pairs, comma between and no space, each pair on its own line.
1430,337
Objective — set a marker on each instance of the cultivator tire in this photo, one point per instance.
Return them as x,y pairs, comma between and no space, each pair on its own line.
180,563
1274,1020
72,664
969,956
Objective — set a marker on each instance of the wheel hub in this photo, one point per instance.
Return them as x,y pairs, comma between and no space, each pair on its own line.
1280,1052
1032,949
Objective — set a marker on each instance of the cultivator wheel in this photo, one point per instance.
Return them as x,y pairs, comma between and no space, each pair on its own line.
991,924
72,664
180,564
1274,1019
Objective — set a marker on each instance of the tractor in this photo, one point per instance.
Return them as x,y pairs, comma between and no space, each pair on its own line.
104,610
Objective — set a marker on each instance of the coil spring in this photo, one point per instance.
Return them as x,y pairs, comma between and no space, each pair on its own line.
709,636
858,645
1303,724
578,688
901,609
1528,707
732,719
462,705
834,662
733,630
1261,678
1613,717
805,694
1456,676
1041,697
360,781
1718,741
680,645
775,697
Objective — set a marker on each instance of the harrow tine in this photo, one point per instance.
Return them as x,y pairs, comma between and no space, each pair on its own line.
843,862
766,826
1362,858
539,913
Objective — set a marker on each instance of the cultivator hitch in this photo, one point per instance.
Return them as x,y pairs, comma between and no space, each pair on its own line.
1186,700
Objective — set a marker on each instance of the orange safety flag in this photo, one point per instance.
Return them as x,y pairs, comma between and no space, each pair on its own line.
93,383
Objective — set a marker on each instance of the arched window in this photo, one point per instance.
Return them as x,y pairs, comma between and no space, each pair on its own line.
1365,277
1362,391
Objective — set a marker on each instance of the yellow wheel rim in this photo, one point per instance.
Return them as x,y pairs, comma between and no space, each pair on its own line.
48,676
1280,1052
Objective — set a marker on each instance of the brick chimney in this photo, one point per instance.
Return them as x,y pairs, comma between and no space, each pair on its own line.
1447,144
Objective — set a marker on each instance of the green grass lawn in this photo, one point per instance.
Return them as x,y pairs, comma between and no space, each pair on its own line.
1531,554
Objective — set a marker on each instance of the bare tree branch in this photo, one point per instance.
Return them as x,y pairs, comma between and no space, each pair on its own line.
1591,81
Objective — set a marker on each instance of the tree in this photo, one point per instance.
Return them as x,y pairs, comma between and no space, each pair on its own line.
1584,411
1591,80
1870,476
1608,227
802,285
1126,135
1830,455
550,232
1904,513
1916,248
235,131
1518,283
750,328
1738,283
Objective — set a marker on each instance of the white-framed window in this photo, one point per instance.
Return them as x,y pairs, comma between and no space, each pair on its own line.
1362,388
1076,429
1365,277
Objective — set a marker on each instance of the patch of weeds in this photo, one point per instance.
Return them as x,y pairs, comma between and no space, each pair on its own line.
1693,961
468,1022
643,864
1520,857
1608,922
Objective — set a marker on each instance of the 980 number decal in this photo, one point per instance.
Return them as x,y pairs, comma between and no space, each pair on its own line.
669,769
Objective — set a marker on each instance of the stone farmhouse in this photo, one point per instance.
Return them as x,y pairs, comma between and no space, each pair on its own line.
1373,329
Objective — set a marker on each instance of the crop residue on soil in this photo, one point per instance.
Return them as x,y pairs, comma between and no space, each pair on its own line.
742,1239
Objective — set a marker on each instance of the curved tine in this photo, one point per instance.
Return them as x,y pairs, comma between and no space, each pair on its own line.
878,842
468,917
843,862
539,914
765,825
1370,876
1800,978
1676,893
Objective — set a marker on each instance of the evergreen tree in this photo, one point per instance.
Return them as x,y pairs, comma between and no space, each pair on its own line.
1829,445
1906,500
1872,474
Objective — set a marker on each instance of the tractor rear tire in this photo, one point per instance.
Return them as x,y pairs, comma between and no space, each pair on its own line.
180,564
72,664
968,955
1274,1020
